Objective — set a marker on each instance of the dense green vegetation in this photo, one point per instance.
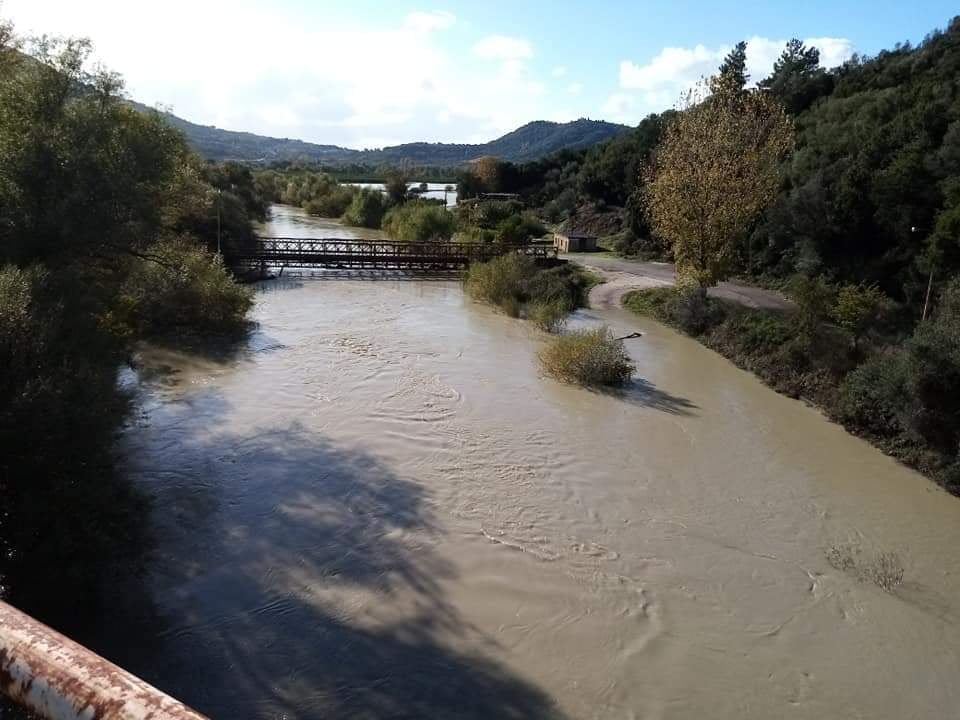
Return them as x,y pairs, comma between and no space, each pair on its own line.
515,284
588,357
106,225
419,221
399,209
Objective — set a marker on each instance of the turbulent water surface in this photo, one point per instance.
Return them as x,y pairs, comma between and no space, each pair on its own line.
378,508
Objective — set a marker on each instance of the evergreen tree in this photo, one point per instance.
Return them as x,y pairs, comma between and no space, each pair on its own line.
797,79
734,67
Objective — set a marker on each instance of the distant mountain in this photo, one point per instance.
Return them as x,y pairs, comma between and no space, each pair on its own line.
533,140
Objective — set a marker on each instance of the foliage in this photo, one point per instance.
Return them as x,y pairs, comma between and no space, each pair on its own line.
395,184
733,71
502,281
874,163
419,221
588,357
857,308
58,412
513,282
548,315
797,79
332,204
181,287
814,297
518,230
96,201
730,139
366,209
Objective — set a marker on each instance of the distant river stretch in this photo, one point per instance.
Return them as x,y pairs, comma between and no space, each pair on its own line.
378,508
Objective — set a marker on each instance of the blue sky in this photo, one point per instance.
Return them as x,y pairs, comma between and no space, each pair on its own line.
366,74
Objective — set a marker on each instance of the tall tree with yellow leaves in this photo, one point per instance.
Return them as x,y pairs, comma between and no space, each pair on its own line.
715,171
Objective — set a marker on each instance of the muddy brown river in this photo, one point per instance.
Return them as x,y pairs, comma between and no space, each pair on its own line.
377,507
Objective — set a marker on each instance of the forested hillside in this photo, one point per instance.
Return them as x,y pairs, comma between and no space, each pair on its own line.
532,141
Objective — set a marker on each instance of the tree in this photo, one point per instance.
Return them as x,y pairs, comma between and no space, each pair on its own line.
715,171
857,308
797,79
733,70
395,183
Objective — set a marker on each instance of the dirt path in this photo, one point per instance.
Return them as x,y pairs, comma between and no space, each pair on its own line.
623,276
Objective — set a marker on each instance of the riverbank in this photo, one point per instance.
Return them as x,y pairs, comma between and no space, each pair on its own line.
810,359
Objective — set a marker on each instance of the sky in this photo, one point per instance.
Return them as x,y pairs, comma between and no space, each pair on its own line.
366,74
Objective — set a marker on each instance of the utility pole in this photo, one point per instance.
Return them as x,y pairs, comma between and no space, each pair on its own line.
219,200
926,301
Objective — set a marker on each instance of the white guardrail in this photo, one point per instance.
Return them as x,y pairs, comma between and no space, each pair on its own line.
59,679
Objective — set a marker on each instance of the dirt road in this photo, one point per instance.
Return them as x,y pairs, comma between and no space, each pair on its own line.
623,276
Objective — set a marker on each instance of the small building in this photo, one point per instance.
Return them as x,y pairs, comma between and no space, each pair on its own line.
569,241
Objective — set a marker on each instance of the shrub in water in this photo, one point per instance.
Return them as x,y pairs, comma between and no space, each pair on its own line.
183,286
588,357
420,221
550,316
366,209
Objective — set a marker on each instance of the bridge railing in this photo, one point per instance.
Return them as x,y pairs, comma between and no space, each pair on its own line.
58,679
380,253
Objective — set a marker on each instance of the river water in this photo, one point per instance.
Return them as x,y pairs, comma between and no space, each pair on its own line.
378,508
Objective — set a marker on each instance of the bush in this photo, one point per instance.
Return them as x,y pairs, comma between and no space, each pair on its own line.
66,516
182,286
513,281
694,312
548,315
502,281
588,357
519,229
366,209
873,397
419,221
332,204
758,333
654,302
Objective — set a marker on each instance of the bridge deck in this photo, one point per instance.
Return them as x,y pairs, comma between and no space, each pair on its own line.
377,254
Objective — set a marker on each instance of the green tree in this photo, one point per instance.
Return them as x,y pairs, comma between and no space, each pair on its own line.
797,79
715,171
733,70
396,181
366,209
857,308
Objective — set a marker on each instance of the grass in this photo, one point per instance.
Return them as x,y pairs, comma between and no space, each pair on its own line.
588,357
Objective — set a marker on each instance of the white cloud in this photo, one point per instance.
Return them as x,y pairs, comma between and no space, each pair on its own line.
503,47
559,71
575,88
661,82
240,65
429,21
619,107
671,66
833,51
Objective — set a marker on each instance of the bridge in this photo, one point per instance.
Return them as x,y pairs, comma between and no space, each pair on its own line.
338,253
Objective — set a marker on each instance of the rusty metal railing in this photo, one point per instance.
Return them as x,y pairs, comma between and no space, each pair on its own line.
58,679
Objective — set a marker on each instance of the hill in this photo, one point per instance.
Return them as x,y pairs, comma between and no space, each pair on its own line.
530,142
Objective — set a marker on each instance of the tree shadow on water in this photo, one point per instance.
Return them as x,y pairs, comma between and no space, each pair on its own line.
645,393
304,584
